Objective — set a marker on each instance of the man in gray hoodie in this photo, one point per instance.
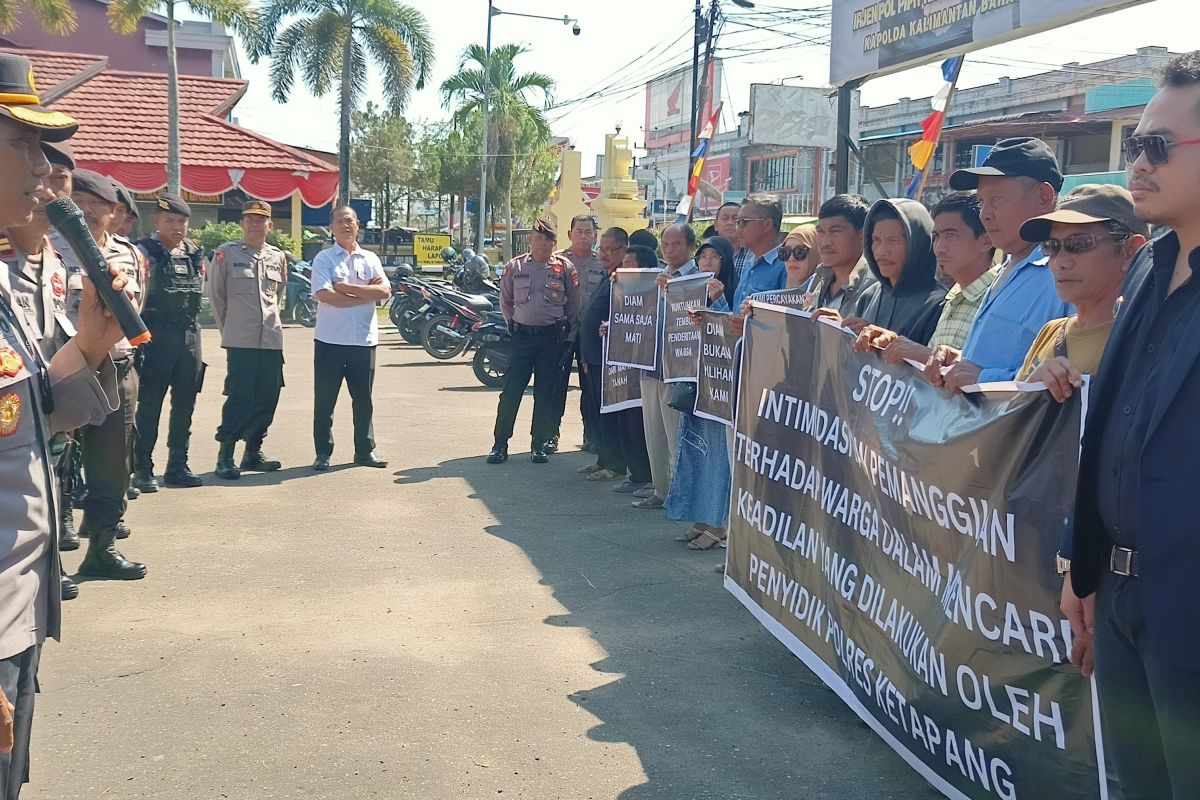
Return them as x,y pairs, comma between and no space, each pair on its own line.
899,250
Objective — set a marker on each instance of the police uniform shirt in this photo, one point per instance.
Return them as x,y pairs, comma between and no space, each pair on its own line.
591,272
117,251
536,294
29,588
36,285
243,287
356,325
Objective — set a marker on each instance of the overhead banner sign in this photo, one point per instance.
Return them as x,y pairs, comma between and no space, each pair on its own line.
681,336
669,105
715,385
792,116
622,386
633,319
900,541
875,37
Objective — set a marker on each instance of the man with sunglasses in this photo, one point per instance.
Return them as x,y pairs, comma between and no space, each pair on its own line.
1134,556
1019,180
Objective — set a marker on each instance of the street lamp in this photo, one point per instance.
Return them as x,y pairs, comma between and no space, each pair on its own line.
487,83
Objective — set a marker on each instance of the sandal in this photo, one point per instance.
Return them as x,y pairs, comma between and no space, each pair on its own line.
712,538
695,533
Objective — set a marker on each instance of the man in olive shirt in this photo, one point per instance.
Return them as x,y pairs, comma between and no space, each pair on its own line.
540,296
243,285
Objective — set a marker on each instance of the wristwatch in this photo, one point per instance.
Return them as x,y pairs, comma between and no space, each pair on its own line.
1061,565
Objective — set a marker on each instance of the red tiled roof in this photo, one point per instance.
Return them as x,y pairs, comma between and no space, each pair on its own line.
53,69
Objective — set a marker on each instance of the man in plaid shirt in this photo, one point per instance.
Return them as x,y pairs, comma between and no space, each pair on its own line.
963,253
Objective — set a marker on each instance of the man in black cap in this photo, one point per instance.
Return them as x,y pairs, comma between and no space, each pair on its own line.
244,285
127,213
540,297
107,446
171,359
1019,180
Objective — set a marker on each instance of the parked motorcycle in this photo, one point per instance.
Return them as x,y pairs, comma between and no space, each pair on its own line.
299,305
490,364
454,316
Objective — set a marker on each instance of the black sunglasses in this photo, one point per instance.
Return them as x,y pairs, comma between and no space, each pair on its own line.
1156,148
1078,243
799,252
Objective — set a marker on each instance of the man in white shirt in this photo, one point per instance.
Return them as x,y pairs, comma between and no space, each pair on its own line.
347,282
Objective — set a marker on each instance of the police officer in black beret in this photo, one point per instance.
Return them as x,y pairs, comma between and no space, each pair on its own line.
171,359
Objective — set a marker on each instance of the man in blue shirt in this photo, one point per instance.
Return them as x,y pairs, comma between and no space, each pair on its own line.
1019,180
759,219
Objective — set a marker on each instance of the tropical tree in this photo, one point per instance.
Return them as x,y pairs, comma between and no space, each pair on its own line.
381,154
55,16
330,45
510,106
124,16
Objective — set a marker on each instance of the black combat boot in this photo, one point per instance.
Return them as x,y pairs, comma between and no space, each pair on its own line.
144,480
68,537
253,459
178,474
225,466
67,588
103,560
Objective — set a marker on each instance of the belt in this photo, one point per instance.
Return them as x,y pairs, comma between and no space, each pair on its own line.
535,330
1123,561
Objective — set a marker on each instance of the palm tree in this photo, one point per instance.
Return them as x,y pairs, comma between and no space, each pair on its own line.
510,110
124,16
330,45
55,16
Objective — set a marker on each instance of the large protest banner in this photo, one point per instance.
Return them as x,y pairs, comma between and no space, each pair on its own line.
900,541
681,337
875,37
622,386
715,385
633,319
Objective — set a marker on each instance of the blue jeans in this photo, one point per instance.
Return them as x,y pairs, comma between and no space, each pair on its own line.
1149,706
702,477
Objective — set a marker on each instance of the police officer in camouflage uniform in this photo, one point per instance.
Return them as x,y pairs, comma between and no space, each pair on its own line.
106,447
244,283
171,359
540,296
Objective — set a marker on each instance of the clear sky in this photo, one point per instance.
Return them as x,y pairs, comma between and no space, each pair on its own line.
616,32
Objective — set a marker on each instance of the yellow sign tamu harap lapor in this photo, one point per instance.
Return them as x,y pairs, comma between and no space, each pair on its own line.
427,248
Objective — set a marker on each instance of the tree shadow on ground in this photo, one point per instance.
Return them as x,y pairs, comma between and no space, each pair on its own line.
713,705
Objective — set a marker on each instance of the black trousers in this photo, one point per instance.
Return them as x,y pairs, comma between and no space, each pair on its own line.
632,433
252,384
106,456
1149,706
170,360
605,434
561,388
18,676
356,365
536,357
590,410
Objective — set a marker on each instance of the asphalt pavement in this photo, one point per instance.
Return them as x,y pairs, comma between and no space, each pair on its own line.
439,629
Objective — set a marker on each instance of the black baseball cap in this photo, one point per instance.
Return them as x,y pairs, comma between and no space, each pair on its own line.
1019,157
84,180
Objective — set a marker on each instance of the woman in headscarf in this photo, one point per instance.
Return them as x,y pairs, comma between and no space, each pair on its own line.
702,472
799,254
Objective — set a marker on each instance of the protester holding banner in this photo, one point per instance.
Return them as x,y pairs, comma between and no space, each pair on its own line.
631,429
1090,239
726,228
907,296
702,472
1019,180
964,254
605,436
662,421
799,254
843,275
759,220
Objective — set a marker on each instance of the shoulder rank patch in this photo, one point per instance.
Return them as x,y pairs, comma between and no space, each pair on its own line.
10,413
57,284
10,363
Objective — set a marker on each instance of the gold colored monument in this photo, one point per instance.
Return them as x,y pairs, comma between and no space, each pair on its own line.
568,199
618,205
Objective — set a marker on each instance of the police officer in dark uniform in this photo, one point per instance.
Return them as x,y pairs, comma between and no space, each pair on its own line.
171,359
540,297
127,213
106,447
